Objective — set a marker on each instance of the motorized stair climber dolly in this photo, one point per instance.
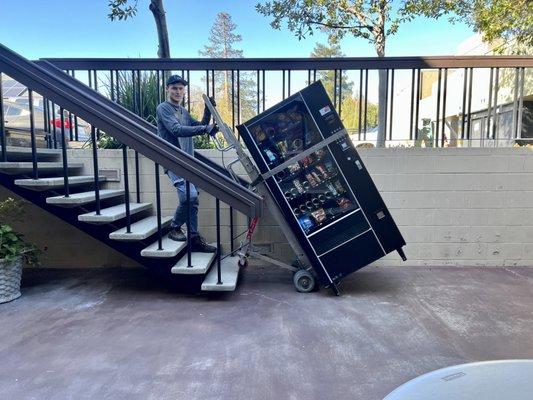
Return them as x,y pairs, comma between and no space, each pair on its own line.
304,279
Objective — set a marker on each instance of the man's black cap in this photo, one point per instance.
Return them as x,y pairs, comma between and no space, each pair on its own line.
176,79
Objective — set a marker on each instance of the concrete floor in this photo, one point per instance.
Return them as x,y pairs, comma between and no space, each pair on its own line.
117,334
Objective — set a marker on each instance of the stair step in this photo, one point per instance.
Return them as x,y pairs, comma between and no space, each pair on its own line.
79,199
114,213
26,167
200,263
15,153
141,229
229,268
55,182
171,248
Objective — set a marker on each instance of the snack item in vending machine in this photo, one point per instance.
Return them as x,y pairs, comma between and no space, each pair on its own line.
320,168
332,189
307,161
294,167
316,176
271,156
339,187
319,215
258,133
329,166
344,203
306,222
320,153
282,146
311,180
298,186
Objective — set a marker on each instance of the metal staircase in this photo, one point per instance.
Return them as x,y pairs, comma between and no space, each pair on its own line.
137,229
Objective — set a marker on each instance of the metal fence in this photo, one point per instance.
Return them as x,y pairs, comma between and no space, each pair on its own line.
425,101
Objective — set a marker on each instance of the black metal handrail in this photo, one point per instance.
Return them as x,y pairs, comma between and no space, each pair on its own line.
302,64
127,127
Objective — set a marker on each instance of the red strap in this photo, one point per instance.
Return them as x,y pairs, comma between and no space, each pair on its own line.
251,228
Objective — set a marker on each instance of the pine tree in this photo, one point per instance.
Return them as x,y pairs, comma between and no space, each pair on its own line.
221,44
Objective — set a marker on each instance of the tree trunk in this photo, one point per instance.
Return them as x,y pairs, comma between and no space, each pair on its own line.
156,7
379,35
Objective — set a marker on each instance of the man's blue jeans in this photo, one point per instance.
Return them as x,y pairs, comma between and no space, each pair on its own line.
180,216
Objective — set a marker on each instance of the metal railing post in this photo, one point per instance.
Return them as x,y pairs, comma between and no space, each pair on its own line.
188,197
95,170
219,271
2,125
32,135
64,152
126,187
158,208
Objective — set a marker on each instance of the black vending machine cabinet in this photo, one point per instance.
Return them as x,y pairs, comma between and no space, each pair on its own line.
320,184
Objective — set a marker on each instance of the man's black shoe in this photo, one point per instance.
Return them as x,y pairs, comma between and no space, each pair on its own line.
177,235
198,244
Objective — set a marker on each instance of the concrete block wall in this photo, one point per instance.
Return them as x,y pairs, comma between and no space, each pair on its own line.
459,207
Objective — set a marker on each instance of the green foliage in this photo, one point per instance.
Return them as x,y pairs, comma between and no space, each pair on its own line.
108,142
222,43
495,19
121,10
328,77
350,113
144,106
12,244
374,20
365,19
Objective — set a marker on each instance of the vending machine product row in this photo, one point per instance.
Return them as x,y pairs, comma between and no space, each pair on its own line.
320,184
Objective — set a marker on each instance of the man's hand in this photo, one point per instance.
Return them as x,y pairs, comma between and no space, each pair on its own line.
211,129
212,100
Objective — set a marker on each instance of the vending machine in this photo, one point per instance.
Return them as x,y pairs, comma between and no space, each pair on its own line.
320,185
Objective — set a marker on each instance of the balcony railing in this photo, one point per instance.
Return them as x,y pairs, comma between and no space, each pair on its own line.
428,101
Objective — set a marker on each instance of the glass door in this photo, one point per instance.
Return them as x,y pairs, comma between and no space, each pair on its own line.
316,191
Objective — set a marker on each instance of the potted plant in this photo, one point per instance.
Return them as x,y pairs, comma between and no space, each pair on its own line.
14,250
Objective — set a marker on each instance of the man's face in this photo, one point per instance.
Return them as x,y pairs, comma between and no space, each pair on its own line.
175,92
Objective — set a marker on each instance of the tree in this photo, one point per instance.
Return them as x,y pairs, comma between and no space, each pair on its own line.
375,20
221,44
328,77
122,10
349,104
504,20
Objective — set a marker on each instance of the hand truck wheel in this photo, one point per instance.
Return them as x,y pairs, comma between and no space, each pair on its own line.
304,281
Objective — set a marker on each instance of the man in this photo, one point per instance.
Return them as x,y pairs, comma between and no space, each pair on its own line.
175,125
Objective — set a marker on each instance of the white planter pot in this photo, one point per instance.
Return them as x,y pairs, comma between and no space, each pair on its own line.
10,275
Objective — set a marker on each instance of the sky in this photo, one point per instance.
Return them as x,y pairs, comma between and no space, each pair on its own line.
80,28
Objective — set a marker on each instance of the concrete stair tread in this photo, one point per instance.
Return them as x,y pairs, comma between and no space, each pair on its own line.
56,182
24,167
171,248
141,229
200,263
77,199
24,153
229,268
114,213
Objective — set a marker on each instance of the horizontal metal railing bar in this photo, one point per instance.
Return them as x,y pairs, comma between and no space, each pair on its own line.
344,63
130,129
